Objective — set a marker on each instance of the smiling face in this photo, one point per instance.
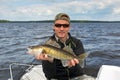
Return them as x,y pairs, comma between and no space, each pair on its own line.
61,29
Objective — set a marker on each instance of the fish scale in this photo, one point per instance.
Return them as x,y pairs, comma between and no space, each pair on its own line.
57,53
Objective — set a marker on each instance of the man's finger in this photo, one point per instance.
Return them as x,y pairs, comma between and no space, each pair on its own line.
72,62
76,61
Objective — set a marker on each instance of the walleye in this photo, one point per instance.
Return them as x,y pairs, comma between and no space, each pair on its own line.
54,52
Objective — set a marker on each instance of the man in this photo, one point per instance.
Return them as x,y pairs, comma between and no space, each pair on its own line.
53,68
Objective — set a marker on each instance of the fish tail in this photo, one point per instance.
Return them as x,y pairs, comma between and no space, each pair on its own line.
82,56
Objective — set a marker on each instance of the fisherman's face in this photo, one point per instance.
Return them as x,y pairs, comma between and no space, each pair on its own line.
61,28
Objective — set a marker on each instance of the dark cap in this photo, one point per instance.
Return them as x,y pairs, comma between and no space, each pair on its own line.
62,16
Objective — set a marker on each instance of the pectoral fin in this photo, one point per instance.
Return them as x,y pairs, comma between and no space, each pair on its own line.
64,63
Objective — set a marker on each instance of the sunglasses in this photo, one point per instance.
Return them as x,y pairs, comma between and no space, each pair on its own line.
64,25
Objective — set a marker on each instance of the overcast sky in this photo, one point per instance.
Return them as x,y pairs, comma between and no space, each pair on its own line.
26,10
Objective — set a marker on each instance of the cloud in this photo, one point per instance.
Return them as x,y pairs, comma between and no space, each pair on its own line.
42,10
116,11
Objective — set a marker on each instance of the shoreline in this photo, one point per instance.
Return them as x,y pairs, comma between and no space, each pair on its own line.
81,21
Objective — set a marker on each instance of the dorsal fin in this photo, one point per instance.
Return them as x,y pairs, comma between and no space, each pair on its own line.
68,49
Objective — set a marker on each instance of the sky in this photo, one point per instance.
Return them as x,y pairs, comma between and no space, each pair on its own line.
37,10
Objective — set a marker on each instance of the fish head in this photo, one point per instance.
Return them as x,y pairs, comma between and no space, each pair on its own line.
34,50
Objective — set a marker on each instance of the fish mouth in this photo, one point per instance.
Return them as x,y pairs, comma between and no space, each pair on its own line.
29,50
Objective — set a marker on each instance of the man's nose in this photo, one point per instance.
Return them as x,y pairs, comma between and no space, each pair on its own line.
61,27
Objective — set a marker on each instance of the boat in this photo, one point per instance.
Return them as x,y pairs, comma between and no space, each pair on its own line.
30,72
109,72
35,72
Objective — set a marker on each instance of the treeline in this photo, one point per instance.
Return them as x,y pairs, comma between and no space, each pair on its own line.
4,21
81,21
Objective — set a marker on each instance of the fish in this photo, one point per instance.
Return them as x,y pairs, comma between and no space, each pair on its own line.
54,52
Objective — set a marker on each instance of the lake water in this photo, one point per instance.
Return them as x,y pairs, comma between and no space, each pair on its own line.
101,40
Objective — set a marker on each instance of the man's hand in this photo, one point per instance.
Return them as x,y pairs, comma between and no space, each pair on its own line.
73,62
44,56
